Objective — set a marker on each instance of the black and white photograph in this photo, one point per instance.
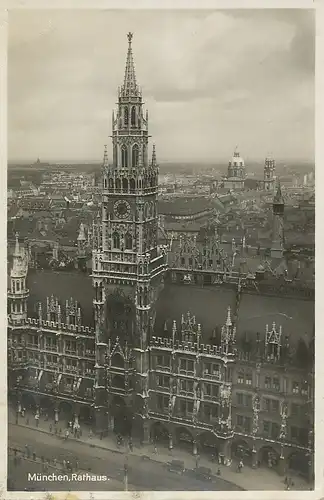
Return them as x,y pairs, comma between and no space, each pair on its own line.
160,250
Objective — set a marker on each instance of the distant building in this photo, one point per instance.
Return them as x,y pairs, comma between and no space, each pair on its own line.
236,173
269,174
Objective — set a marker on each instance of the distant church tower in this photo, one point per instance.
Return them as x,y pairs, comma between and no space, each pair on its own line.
128,265
268,174
278,208
81,253
18,293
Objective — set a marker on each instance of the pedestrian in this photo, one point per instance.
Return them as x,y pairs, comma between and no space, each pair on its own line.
23,412
66,434
34,456
155,449
50,428
90,434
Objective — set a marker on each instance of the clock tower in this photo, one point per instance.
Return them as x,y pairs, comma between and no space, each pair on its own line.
128,264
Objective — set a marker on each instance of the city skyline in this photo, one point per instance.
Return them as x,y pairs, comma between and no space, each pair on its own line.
259,94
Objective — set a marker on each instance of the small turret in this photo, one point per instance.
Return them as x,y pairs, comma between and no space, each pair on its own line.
18,293
278,208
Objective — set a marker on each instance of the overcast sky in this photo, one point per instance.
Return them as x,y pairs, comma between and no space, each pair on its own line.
211,80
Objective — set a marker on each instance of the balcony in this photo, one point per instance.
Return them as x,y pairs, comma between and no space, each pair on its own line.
212,375
188,373
163,368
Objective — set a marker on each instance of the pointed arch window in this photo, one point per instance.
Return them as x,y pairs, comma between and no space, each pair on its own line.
115,154
126,116
135,154
116,240
118,184
128,241
105,183
111,183
125,184
124,157
133,116
132,185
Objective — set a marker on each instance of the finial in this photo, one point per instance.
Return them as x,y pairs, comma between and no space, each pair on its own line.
229,319
130,37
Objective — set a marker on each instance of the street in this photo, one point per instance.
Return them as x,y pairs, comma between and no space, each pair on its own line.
142,475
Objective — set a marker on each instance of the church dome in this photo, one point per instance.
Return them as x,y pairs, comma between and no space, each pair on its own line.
236,160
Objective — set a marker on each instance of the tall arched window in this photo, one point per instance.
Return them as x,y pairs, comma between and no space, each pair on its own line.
116,240
128,241
125,184
118,184
124,157
111,183
115,154
135,151
133,116
105,183
126,116
132,185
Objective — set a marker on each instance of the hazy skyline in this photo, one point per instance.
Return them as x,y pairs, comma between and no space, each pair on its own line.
211,80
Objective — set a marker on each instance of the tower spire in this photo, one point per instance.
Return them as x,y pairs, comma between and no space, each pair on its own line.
130,87
17,247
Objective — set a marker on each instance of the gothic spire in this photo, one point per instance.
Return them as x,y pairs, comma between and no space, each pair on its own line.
17,247
229,319
130,86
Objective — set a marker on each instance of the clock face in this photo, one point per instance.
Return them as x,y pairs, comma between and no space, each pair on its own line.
122,209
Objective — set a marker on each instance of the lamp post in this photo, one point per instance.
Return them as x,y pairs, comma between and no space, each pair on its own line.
126,473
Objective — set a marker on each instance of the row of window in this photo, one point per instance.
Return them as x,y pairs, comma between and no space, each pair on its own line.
117,242
244,377
187,386
271,430
20,307
129,186
17,285
132,119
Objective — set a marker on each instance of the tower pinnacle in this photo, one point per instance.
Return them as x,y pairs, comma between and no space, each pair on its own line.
130,87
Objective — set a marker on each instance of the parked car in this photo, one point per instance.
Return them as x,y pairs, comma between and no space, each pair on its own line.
176,466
